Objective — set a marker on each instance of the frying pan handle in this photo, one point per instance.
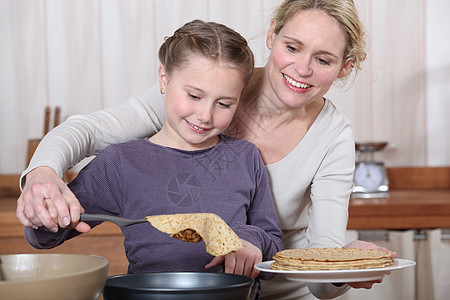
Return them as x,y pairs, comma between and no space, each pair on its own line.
94,217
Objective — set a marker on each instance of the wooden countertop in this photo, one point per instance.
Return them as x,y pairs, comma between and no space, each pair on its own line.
404,209
419,198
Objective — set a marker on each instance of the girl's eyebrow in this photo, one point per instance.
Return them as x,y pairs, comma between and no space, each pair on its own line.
199,90
321,52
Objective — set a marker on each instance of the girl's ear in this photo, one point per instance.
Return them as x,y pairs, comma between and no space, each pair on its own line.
270,35
162,78
344,69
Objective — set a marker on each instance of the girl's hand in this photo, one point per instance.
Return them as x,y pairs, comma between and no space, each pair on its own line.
47,201
241,262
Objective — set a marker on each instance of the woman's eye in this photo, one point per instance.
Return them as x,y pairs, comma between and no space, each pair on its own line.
291,49
323,61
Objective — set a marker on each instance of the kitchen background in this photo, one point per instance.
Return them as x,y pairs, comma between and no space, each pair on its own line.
83,55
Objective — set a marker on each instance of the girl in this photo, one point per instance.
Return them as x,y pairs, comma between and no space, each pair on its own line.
189,166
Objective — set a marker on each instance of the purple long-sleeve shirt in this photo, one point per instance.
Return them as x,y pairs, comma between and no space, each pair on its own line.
138,179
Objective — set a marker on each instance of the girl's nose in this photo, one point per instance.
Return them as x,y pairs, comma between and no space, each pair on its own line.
205,112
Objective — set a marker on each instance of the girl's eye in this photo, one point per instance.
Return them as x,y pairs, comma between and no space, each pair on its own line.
194,97
224,105
323,61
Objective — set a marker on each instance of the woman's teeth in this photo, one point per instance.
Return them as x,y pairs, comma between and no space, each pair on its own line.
295,83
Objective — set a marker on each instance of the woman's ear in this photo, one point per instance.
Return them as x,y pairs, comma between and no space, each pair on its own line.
162,78
345,69
270,35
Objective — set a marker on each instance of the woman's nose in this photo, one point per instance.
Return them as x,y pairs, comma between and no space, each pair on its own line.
303,66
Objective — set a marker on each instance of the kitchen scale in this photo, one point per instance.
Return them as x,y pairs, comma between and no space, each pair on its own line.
370,178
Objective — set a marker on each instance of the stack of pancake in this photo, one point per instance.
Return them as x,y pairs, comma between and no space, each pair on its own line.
331,259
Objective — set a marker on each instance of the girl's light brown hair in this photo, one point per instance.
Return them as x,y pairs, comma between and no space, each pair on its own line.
210,40
343,11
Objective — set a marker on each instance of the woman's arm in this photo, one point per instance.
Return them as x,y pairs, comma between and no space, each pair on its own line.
332,189
330,193
81,136
73,140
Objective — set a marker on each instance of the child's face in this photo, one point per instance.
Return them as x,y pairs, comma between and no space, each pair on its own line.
200,102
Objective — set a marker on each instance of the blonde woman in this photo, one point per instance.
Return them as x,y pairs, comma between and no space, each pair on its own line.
306,144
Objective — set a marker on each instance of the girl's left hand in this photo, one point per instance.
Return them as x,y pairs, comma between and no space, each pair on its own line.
241,262
367,245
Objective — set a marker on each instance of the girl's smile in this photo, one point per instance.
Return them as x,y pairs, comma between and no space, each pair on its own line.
201,98
196,128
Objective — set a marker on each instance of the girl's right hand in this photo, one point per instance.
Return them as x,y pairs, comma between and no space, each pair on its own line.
47,201
241,262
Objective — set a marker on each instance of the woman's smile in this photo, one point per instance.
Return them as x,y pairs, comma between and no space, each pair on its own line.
296,85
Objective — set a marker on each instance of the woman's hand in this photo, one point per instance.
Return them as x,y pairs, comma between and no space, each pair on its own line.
241,262
47,201
367,245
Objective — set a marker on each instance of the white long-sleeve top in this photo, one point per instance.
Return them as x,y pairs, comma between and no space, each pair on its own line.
311,186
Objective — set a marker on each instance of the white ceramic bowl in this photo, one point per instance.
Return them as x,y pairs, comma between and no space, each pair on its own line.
52,276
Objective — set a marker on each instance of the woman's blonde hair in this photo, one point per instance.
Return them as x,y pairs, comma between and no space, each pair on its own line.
344,11
210,40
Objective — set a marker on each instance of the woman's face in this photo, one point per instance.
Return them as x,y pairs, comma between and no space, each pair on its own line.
306,58
201,100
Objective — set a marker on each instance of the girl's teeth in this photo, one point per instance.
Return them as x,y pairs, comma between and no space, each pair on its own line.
196,127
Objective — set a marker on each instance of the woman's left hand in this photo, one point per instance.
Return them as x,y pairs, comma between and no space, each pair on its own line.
367,245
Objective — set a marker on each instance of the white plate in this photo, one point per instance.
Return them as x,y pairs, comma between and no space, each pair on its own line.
356,275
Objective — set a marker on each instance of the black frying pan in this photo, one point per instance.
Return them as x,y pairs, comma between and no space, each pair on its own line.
178,285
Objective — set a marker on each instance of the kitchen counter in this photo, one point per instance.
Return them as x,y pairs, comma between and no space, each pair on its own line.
404,209
419,198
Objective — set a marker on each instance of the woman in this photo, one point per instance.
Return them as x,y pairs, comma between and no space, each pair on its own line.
306,144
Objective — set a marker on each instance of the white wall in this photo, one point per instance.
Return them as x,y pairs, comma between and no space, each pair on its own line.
438,82
87,54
